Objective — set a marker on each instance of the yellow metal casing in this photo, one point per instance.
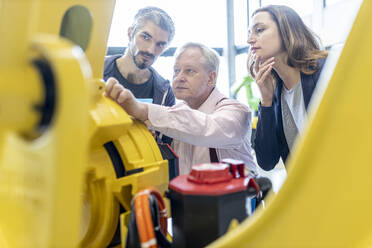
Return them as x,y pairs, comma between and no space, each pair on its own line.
104,191
48,18
47,173
39,176
325,201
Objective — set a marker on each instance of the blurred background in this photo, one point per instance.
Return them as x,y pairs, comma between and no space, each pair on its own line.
223,25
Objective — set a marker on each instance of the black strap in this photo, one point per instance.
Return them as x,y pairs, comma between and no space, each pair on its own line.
224,98
213,155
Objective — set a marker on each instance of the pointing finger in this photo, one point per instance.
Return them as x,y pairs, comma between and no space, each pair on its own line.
109,85
116,90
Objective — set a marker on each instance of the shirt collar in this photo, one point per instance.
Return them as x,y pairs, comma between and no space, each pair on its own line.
209,105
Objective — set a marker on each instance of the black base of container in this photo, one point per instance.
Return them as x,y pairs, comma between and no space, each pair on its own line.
198,220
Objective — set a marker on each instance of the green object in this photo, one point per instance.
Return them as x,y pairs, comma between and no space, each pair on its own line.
77,25
252,100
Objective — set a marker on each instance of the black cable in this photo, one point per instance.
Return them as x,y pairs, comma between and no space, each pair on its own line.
133,240
161,238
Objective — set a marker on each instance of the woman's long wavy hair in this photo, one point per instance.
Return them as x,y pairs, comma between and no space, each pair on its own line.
301,44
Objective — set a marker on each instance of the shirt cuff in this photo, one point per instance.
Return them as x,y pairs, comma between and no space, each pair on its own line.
266,109
266,114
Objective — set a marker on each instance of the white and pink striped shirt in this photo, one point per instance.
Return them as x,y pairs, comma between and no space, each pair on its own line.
221,123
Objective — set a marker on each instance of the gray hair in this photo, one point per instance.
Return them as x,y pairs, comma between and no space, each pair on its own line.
210,56
156,15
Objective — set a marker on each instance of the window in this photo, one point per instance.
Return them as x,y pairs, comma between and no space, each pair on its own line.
330,2
241,22
253,5
303,8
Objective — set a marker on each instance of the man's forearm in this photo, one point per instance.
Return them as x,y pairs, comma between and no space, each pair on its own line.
136,109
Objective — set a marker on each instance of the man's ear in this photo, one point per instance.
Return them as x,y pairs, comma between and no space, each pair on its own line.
212,77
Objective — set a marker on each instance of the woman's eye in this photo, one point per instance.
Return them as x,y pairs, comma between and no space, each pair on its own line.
259,30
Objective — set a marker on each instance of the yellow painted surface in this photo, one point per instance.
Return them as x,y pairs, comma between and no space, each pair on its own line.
39,176
58,187
326,199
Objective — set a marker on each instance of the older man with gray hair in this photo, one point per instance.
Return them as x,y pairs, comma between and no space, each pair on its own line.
206,126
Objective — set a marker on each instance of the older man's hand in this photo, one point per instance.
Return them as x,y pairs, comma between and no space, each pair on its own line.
125,99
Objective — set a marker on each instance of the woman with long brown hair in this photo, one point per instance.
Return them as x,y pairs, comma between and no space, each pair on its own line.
285,60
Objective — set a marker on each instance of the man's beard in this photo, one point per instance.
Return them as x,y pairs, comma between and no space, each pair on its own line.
142,65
